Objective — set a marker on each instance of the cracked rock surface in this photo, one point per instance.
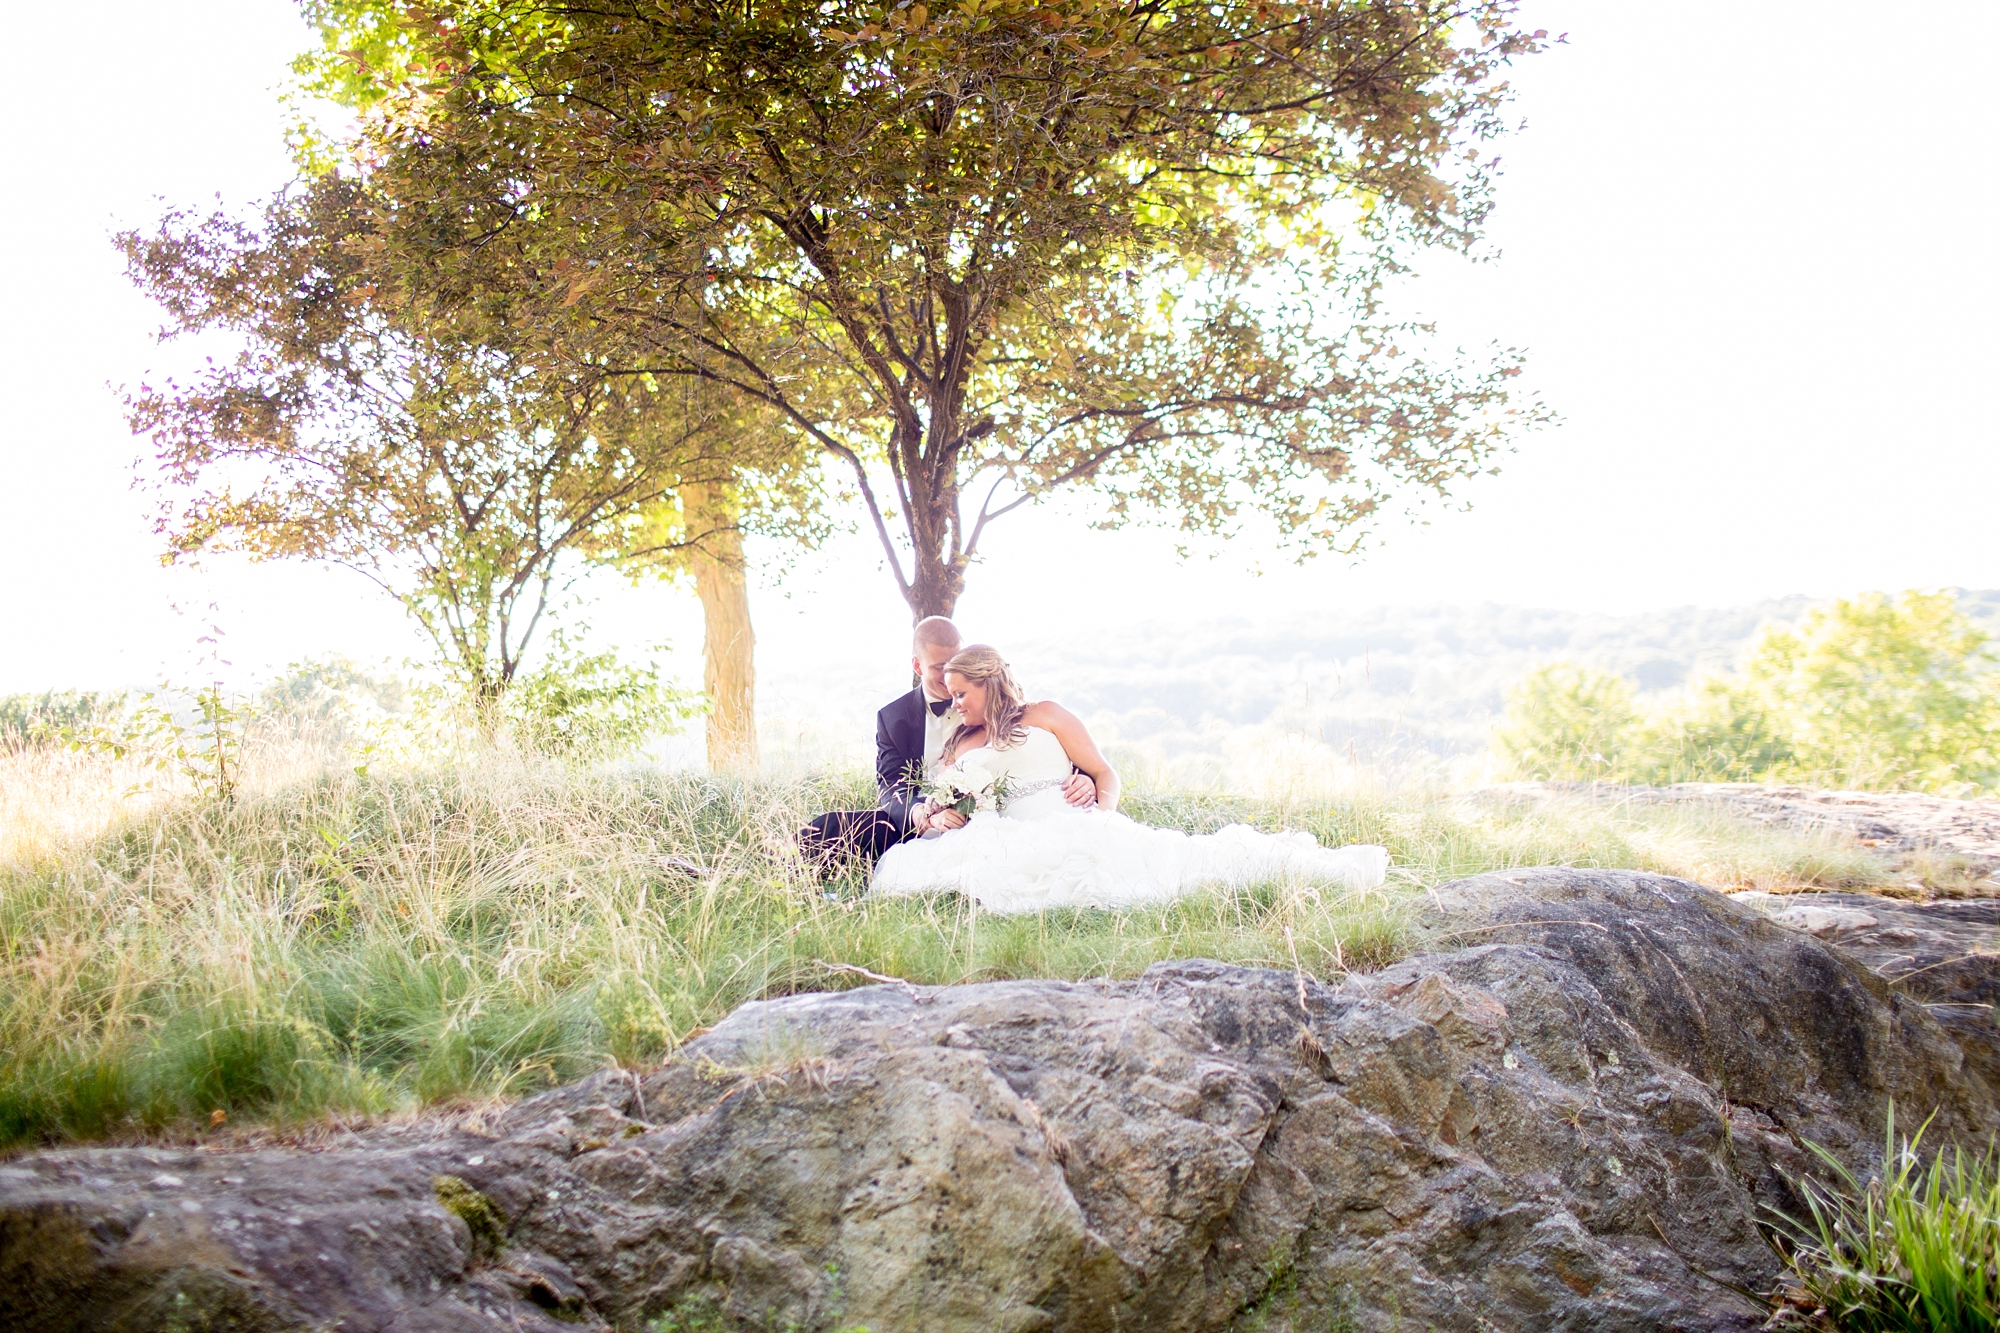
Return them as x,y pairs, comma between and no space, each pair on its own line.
1529,1133
1944,955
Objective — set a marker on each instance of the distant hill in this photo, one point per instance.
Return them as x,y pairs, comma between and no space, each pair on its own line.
1387,686
1380,683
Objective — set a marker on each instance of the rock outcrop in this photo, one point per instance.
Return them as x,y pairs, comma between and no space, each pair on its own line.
1945,955
1573,1121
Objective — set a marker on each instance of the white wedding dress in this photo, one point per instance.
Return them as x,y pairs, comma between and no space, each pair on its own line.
1030,849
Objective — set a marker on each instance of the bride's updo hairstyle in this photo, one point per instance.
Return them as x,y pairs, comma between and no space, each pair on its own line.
982,665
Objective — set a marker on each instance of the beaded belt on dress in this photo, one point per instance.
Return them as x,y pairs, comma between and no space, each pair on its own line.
1016,790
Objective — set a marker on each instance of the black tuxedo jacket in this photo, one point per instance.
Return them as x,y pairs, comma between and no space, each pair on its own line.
899,756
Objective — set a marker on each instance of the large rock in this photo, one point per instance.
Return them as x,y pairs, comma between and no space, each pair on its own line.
1572,1123
1766,1014
1944,955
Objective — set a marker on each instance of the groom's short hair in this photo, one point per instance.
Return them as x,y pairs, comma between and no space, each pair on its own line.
936,632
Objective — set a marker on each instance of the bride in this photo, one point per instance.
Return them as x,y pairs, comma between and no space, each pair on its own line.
1024,848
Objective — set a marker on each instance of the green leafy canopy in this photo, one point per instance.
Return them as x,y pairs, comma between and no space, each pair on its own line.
442,451
977,253
1869,692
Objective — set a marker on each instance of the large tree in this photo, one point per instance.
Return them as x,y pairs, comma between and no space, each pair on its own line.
447,453
982,252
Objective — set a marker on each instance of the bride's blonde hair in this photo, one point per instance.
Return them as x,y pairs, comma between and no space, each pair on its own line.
982,665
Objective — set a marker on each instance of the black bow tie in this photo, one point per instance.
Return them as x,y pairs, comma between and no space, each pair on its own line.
938,706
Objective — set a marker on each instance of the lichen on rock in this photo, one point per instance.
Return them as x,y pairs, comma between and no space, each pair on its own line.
468,1205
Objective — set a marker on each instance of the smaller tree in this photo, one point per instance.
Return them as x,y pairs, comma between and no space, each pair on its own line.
1882,691
1877,692
1722,729
449,455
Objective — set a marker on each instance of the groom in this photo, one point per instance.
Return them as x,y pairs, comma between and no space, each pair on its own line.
910,735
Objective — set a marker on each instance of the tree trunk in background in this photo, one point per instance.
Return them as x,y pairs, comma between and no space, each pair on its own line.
729,670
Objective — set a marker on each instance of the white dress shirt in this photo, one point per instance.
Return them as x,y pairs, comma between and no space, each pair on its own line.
937,730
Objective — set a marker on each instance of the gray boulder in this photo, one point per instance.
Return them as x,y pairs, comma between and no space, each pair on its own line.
1944,955
1571,1122
1768,1016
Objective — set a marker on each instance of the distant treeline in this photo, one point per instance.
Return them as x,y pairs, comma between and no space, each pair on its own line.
1876,692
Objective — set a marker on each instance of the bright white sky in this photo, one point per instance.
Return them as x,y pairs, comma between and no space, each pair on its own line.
1749,246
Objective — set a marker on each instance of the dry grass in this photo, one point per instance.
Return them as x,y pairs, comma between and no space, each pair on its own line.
335,942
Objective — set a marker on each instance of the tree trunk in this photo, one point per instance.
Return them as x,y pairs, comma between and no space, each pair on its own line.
729,671
937,575
933,597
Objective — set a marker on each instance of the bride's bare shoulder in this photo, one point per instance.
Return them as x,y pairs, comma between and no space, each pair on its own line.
1046,714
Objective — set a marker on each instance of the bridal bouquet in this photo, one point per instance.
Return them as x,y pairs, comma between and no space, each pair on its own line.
962,786
947,795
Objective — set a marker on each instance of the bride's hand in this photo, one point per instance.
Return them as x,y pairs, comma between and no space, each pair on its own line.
947,819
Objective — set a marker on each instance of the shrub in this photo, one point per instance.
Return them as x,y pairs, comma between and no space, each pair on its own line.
1567,722
1874,692
1887,692
51,717
1720,730
332,697
592,706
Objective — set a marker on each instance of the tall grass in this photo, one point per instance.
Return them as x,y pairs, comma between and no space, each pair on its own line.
1915,1250
343,941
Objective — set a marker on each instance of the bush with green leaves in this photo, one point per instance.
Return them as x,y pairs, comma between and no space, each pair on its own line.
1720,729
593,706
1890,692
333,695
51,717
195,735
1874,692
1567,722
575,707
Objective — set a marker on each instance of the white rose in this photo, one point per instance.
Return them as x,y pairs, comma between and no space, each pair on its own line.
976,774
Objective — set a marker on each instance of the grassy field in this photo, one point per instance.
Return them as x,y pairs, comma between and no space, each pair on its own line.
334,942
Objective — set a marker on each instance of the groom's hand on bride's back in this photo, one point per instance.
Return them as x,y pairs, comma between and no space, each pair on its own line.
1080,791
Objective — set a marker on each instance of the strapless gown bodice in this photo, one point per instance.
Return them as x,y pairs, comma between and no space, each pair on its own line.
999,779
